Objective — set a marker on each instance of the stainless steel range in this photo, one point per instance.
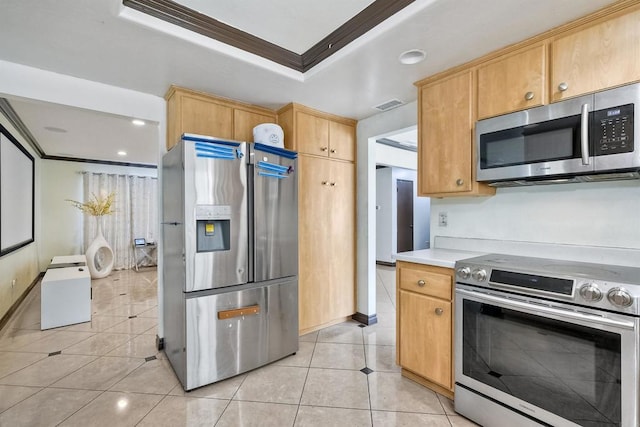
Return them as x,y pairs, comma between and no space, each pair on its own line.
546,342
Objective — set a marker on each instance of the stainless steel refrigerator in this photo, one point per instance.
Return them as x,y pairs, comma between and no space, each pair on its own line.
230,261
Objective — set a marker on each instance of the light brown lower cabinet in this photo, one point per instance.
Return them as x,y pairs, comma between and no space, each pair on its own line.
425,325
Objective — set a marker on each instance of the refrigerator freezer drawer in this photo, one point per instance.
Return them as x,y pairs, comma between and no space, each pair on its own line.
234,332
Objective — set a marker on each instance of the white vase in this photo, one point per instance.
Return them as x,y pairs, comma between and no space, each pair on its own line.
99,255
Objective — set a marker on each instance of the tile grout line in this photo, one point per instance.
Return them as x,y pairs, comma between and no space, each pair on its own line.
306,377
55,381
366,364
154,406
230,400
28,397
82,407
387,290
31,364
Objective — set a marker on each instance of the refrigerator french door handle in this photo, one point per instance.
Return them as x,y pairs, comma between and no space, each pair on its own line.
584,134
252,218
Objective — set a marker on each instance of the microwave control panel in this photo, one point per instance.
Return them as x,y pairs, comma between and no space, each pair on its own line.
612,130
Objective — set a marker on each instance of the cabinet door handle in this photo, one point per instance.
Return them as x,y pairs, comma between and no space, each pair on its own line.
529,96
324,149
439,311
325,182
459,182
333,150
563,86
333,184
421,282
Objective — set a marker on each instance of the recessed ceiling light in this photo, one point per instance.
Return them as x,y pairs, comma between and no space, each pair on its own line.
138,122
412,56
122,153
55,129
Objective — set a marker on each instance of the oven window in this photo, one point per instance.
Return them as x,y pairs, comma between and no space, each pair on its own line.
569,370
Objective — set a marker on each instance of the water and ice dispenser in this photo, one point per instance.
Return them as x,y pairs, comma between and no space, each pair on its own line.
213,228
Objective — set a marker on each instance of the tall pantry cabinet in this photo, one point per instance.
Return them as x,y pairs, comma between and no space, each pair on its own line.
326,204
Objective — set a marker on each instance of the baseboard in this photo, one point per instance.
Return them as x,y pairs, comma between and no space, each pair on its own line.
16,304
385,263
364,319
159,343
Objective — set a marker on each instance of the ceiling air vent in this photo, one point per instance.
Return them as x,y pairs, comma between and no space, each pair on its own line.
389,105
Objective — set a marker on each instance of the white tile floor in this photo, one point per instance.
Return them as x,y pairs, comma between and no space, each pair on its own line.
108,372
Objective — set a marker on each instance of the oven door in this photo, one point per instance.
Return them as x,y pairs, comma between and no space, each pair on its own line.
540,142
547,361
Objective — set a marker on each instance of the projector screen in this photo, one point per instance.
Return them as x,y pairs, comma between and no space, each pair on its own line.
17,173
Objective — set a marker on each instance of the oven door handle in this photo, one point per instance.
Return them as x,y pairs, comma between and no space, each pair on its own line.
539,308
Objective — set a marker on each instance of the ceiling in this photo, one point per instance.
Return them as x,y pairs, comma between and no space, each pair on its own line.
103,41
68,132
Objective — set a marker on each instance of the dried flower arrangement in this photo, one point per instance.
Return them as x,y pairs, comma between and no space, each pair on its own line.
96,206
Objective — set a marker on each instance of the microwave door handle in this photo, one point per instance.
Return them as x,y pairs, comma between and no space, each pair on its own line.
584,134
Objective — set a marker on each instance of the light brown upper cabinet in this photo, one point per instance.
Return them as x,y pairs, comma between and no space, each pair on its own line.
189,111
342,141
312,132
445,143
512,83
244,121
597,57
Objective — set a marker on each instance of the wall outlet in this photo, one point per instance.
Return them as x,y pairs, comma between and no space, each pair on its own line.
442,219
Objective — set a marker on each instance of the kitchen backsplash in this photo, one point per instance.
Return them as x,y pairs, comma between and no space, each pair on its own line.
600,215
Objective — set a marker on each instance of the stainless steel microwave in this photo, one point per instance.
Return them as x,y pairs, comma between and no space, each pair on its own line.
581,139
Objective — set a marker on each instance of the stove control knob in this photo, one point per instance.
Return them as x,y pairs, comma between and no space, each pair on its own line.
590,292
480,275
464,272
620,297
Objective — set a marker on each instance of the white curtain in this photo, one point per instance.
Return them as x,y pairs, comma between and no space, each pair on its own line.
135,213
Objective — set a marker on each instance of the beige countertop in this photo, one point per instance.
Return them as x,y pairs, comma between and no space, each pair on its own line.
436,257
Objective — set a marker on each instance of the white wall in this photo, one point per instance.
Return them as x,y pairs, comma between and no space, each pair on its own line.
62,224
387,209
367,131
396,157
20,265
591,214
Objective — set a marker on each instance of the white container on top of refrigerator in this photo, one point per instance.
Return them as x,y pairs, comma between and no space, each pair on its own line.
230,261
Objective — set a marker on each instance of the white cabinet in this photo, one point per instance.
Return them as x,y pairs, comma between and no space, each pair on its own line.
65,297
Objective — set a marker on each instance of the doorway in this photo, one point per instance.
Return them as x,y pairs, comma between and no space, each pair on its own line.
404,215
